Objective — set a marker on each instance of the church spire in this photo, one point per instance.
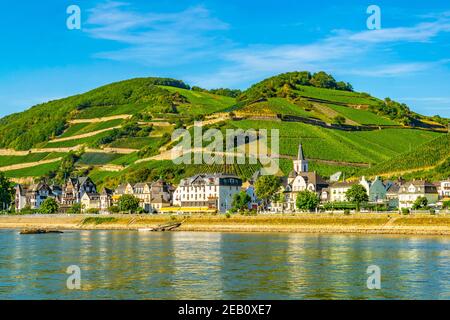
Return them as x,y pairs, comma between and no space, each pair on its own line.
301,164
300,153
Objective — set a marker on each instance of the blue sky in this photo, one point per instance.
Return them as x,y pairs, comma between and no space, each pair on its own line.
225,44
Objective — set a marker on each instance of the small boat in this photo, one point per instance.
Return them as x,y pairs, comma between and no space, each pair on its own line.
39,231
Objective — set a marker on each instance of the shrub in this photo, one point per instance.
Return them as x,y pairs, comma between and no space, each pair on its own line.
405,211
114,209
75,209
128,203
307,201
49,206
93,211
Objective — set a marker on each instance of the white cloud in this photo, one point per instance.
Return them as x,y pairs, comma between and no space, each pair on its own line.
193,35
392,70
155,38
339,52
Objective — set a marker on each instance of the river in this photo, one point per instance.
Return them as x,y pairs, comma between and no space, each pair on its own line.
183,265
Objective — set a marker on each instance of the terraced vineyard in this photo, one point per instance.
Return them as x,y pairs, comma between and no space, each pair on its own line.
122,123
424,157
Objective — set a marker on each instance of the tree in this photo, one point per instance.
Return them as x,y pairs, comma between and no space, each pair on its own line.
357,194
75,209
420,203
323,80
266,187
49,206
339,120
241,201
6,192
307,201
128,203
446,204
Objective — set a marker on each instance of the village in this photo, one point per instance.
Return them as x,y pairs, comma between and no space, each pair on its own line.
217,193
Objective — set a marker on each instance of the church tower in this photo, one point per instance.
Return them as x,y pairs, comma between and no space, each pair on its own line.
301,164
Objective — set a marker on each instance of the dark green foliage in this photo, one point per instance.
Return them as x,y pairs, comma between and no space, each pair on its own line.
75,209
129,130
267,187
240,201
67,166
339,120
114,209
393,110
49,206
420,203
233,93
6,192
281,85
446,205
128,203
357,194
98,220
307,200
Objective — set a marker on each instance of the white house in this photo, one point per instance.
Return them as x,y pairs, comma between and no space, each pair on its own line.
444,189
152,196
410,191
32,196
213,191
338,191
90,201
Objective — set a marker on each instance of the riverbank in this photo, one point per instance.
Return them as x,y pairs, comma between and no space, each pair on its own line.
299,223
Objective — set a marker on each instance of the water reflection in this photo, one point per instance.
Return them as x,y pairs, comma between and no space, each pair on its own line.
132,265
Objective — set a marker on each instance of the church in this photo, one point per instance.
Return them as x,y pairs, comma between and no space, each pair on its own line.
301,179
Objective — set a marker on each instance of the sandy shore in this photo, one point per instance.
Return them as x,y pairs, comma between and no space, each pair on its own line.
302,223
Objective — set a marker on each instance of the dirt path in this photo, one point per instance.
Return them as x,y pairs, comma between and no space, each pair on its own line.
211,121
28,164
104,119
10,152
85,135
155,123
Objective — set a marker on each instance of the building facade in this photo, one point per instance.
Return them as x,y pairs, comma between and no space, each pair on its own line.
74,189
213,191
411,191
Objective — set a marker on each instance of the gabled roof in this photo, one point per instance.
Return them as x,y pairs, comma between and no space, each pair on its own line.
107,192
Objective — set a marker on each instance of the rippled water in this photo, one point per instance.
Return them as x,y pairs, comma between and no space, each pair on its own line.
132,265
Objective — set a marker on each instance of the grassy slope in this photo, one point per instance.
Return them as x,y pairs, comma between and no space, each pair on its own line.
32,157
327,144
83,128
201,102
353,98
426,155
362,116
36,171
96,159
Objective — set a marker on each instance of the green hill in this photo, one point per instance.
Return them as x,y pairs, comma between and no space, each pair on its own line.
118,124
